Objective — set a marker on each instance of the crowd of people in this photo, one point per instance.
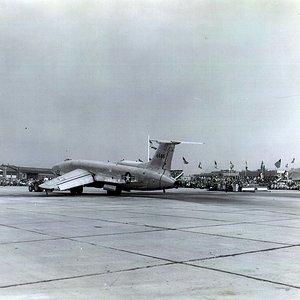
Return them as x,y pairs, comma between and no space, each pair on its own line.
238,183
13,182
216,183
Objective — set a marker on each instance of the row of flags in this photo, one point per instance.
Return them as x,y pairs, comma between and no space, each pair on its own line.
278,163
262,166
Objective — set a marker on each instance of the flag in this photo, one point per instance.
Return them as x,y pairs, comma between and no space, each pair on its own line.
278,163
216,165
293,160
199,165
246,165
231,165
184,161
287,165
262,165
151,145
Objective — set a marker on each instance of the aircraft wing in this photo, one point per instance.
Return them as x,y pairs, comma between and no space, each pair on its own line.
69,180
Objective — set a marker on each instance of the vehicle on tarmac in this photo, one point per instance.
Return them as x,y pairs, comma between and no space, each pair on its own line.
115,177
34,185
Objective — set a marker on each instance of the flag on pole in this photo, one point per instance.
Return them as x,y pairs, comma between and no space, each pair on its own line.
278,163
199,165
231,165
293,160
287,165
151,145
216,165
246,165
184,161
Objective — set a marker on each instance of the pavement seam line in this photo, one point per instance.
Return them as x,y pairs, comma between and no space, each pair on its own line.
241,253
235,237
81,276
245,276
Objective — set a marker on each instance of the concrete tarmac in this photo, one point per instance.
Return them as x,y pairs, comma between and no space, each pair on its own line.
185,244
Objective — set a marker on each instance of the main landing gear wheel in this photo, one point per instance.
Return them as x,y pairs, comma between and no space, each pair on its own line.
76,190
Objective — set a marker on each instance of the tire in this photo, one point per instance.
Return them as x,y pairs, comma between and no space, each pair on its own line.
30,188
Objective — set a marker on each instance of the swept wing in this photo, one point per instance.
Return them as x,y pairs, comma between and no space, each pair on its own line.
69,180
80,177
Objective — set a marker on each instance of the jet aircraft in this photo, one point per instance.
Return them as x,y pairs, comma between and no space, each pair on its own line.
119,176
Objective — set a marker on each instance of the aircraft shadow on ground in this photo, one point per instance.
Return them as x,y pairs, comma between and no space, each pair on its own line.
195,197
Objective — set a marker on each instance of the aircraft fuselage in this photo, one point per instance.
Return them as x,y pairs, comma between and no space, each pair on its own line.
127,177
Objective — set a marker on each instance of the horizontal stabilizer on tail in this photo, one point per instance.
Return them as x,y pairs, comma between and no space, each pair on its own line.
162,157
176,142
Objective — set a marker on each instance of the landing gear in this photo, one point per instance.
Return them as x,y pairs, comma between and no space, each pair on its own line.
76,190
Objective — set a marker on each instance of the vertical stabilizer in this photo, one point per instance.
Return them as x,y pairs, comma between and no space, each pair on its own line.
162,157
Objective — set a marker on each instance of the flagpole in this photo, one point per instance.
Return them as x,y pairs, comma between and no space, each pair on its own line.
148,147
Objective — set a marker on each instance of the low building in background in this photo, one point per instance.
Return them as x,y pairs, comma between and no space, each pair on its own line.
18,175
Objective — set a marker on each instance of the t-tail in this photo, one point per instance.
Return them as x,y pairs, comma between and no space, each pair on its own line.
162,157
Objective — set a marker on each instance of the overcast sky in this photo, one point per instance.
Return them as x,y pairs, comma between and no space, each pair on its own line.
91,79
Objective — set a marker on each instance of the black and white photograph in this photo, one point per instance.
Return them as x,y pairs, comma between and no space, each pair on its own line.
149,149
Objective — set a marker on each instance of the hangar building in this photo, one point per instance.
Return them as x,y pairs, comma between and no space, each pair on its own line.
18,172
